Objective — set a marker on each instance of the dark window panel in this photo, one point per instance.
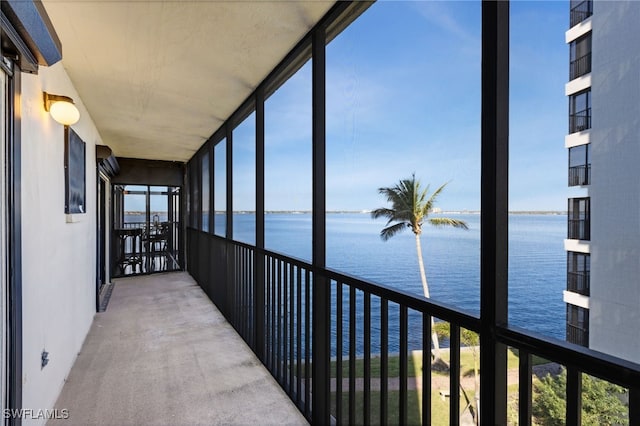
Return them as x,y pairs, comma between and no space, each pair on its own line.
579,165
578,271
579,11
580,56
579,219
580,111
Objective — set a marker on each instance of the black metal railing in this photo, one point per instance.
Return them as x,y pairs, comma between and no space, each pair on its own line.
379,338
580,10
580,121
371,323
580,66
287,328
577,335
579,229
580,175
578,282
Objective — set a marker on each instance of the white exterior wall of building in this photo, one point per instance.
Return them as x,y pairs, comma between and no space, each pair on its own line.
614,317
58,258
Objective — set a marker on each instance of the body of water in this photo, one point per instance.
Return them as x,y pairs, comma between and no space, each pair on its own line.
537,260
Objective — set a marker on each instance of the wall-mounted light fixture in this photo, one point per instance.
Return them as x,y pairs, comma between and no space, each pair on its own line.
61,108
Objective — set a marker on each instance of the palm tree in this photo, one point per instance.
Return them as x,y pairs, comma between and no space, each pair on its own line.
410,208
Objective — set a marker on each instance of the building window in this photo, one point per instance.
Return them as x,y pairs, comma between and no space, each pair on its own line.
580,111
578,268
579,219
194,198
579,165
244,180
206,204
75,175
580,56
578,325
580,10
220,188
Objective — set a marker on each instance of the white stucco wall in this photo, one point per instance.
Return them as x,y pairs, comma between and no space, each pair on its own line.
615,190
58,258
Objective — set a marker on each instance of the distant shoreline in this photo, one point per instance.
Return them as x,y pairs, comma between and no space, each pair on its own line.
454,212
523,212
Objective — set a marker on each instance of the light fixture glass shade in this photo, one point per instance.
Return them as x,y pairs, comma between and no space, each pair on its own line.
64,113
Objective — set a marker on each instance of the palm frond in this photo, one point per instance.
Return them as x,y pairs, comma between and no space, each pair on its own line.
409,200
399,204
392,230
410,206
393,195
428,206
446,221
422,194
382,212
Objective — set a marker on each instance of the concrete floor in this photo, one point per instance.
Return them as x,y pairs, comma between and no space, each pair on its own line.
163,354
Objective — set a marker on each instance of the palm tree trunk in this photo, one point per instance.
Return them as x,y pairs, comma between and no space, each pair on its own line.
425,288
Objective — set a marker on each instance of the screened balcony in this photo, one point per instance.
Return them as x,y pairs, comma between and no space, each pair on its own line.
343,348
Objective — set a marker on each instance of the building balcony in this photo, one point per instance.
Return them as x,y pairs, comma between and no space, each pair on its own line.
578,282
577,335
579,229
580,121
580,175
580,66
580,10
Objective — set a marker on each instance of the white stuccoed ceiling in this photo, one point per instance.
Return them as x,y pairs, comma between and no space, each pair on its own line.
159,77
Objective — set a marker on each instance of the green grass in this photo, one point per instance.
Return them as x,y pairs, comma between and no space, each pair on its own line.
393,367
439,408
414,364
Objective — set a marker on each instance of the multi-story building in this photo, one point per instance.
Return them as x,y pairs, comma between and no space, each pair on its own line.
603,262
578,142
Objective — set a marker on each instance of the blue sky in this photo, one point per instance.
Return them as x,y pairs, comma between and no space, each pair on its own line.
403,96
